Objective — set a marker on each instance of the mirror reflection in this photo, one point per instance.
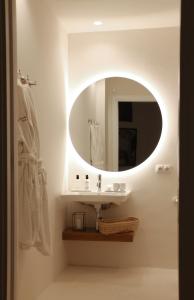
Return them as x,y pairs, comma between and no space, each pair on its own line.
115,124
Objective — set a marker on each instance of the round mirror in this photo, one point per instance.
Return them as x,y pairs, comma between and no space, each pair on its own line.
115,124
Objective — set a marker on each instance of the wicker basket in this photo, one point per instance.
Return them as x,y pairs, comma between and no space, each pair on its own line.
111,226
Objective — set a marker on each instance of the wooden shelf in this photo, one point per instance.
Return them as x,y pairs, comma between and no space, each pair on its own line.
92,235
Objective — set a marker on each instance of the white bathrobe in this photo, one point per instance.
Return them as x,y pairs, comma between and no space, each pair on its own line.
32,194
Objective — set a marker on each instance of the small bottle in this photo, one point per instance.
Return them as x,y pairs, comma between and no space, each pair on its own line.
87,183
77,183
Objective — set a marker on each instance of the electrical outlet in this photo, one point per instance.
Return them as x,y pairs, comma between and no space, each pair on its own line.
163,168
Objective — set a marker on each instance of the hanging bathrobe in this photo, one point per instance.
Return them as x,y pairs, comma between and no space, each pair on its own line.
32,194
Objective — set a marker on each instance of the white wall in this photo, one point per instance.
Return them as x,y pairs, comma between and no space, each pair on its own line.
82,111
153,55
42,45
124,87
100,116
90,105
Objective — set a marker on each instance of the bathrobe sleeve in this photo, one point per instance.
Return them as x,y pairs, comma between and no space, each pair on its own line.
25,126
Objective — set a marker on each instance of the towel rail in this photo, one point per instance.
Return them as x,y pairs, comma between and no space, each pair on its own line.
26,80
94,123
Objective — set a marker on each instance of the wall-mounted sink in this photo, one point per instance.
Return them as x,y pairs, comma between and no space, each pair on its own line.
97,199
94,198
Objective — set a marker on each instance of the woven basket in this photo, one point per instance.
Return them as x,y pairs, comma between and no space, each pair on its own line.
111,226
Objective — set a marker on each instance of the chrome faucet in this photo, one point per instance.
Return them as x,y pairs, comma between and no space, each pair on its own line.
99,183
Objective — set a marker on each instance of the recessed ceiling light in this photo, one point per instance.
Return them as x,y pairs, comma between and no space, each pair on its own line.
98,23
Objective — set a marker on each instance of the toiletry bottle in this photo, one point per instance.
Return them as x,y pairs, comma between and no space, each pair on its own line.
87,183
77,183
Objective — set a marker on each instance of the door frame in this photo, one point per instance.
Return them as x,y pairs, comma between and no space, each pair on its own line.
114,103
186,148
3,156
7,145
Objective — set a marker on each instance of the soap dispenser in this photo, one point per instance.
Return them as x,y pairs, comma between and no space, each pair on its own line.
87,183
77,183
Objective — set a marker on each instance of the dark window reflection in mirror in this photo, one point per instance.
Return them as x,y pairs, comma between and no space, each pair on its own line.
139,128
127,148
115,124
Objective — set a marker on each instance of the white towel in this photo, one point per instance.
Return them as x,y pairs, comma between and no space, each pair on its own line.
97,149
33,203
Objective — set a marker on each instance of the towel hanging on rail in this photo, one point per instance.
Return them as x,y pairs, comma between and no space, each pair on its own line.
96,146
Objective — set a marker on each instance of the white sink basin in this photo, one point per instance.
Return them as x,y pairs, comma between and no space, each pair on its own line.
97,199
94,198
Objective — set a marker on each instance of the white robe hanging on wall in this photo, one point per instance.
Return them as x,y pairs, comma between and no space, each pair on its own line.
33,202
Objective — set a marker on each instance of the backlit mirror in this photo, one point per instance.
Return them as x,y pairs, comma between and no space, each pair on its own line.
115,124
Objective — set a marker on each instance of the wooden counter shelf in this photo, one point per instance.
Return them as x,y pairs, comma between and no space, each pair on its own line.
92,235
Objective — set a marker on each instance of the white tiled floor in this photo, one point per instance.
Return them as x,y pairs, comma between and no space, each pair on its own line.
82,283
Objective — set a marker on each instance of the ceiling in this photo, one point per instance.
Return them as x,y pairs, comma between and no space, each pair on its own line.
79,15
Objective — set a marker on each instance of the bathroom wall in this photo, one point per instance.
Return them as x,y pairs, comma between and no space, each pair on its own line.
123,87
41,46
153,55
90,106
